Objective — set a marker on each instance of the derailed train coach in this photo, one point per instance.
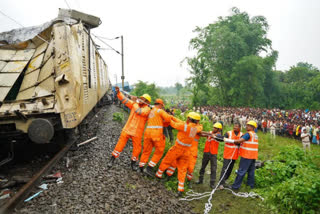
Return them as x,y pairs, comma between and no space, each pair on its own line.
51,77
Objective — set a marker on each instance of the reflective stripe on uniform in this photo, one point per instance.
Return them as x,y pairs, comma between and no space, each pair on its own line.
152,164
250,149
142,164
159,174
250,142
115,154
185,127
154,127
126,102
122,99
172,168
169,172
181,183
197,140
230,146
183,144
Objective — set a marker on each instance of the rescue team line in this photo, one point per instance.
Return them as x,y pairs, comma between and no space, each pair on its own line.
183,154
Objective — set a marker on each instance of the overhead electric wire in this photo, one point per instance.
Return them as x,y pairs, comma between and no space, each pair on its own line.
67,4
106,44
101,37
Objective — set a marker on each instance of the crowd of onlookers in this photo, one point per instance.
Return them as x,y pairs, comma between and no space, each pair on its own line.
289,123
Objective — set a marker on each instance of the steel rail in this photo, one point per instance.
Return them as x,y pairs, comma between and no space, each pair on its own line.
16,200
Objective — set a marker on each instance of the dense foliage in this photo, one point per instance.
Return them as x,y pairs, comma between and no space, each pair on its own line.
145,88
291,182
234,66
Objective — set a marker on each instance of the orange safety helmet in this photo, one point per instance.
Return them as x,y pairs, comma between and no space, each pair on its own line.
159,101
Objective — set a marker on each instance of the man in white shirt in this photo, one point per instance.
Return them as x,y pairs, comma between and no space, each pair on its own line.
305,136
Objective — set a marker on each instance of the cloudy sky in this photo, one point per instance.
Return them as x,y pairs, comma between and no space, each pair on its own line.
157,33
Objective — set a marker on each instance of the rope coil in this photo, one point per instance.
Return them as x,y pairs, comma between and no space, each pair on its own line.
192,195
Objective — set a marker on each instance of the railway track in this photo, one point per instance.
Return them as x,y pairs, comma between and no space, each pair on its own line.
71,139
19,197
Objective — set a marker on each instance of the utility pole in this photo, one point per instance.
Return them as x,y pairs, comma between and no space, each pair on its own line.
122,56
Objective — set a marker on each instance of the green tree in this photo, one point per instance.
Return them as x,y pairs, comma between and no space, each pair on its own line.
223,50
145,88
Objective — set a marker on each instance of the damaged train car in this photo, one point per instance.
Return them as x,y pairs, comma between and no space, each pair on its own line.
51,77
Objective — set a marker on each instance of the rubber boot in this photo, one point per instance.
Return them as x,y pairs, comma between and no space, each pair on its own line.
149,171
179,194
200,181
141,169
111,161
134,166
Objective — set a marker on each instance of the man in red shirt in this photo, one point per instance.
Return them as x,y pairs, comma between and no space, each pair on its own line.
210,154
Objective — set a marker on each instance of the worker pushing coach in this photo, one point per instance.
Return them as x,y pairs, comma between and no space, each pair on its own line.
180,152
183,154
154,137
134,127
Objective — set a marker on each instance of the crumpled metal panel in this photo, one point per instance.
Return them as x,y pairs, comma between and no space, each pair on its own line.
30,79
6,55
28,106
48,52
26,94
23,55
35,63
45,88
40,49
46,70
14,67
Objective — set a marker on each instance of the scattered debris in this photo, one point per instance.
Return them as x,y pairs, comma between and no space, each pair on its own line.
33,196
59,180
5,193
54,176
43,186
87,141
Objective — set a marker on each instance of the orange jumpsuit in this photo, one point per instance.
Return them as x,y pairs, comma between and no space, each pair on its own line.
133,128
153,137
192,162
180,152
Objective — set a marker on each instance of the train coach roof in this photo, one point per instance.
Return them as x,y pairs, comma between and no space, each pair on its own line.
68,16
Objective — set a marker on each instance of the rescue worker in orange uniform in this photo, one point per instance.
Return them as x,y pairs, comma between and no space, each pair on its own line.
180,152
154,137
230,153
192,162
210,154
134,127
249,154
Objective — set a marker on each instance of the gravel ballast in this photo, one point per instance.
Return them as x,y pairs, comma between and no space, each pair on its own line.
88,187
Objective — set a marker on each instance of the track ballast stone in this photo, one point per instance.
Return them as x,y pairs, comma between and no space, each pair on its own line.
90,188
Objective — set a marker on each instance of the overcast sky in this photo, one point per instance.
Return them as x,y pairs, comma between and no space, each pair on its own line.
157,33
